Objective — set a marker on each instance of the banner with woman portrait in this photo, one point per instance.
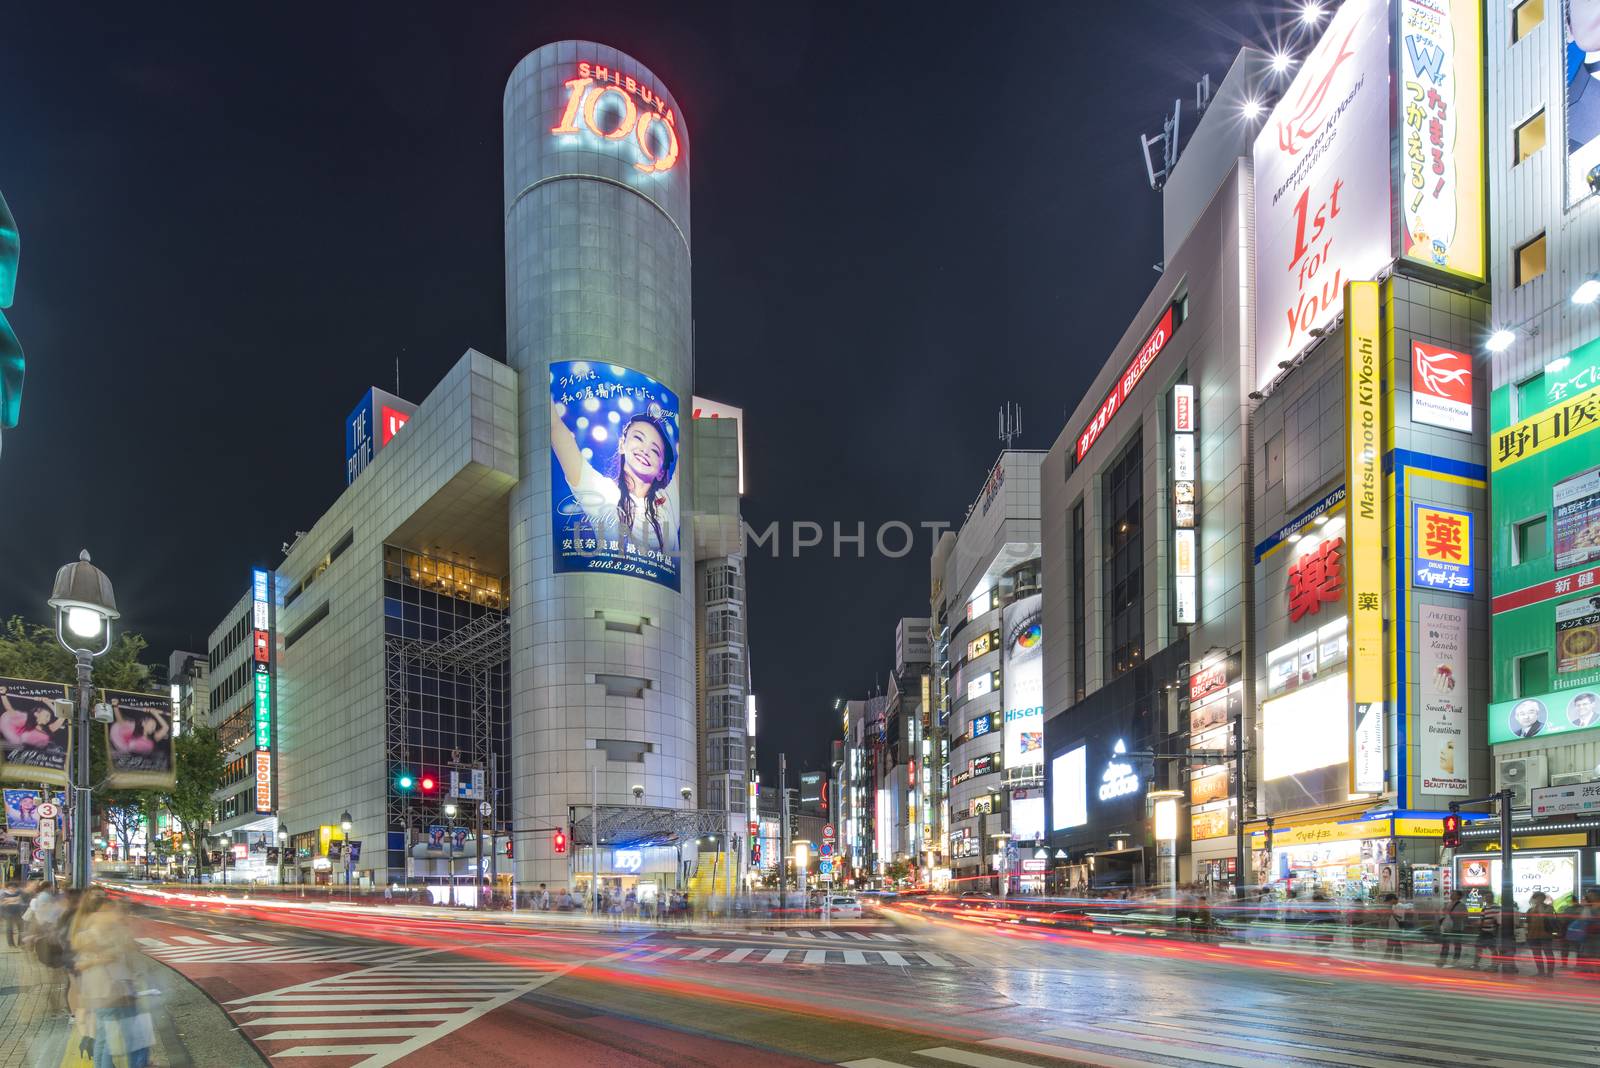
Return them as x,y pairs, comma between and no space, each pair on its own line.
614,445
35,739
139,741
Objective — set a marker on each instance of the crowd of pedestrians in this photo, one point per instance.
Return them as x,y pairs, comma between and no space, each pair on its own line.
93,972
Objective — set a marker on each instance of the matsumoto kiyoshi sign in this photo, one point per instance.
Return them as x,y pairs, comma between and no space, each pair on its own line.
1441,553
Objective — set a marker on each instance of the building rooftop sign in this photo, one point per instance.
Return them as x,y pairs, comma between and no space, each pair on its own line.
1142,359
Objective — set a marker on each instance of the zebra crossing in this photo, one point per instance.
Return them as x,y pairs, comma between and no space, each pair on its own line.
378,1015
1364,1031
816,935
652,953
212,948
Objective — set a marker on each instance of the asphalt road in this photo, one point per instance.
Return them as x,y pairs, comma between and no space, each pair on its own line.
334,988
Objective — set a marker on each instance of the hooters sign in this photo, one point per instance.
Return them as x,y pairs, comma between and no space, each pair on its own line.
611,106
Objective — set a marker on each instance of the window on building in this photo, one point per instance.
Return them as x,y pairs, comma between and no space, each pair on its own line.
1080,642
1530,260
1123,511
724,669
1274,460
1528,397
724,711
1529,138
724,626
724,582
1524,17
1532,541
1533,674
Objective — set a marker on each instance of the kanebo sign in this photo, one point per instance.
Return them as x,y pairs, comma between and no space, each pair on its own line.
1119,779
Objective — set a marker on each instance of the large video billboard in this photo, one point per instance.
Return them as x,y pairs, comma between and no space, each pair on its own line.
1023,679
1322,184
614,488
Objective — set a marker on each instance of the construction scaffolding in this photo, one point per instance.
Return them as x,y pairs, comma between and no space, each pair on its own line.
633,826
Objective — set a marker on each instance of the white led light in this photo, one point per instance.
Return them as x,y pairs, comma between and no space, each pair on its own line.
1500,340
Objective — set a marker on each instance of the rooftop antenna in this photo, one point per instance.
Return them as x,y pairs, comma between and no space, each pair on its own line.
1010,423
1171,136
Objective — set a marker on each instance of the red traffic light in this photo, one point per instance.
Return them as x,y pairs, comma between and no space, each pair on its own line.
558,843
428,784
1452,832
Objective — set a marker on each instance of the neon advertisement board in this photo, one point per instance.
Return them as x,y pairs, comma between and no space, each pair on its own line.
615,445
262,611
1131,375
1441,554
608,106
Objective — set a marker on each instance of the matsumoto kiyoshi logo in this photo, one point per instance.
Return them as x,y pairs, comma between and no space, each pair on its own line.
608,105
1312,105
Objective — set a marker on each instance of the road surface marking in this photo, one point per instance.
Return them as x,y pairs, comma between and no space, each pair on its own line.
326,1018
1081,1055
301,1006
658,954
887,937
191,940
932,958
891,957
775,956
816,956
350,1032
975,1060
872,1062
153,943
858,936
737,955
805,934
230,938
699,954
1473,1038
1161,1045
854,956
833,935
338,1051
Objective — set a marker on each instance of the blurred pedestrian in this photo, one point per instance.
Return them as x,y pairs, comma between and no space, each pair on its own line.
11,905
542,901
1570,913
1541,928
1588,941
1452,922
109,983
1397,919
42,935
1488,932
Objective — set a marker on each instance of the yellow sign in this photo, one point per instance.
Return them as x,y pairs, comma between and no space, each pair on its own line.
1440,138
1315,833
1551,427
1363,437
1411,828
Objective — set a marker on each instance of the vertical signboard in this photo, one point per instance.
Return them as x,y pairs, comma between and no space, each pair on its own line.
1364,552
377,418
1322,184
139,741
1441,387
1441,549
1185,504
1023,683
261,607
35,739
1438,80
1442,682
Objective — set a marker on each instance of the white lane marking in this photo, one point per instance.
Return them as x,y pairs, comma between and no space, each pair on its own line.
775,956
300,1035
854,956
230,938
891,957
816,956
872,1062
153,943
888,938
1215,1052
975,1060
339,1051
1080,1055
805,934
832,935
190,940
660,953
343,1012
327,1018
737,955
932,958
699,954
296,994
858,936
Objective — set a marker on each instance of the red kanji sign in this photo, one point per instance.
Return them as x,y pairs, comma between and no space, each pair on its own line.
1441,536
1316,579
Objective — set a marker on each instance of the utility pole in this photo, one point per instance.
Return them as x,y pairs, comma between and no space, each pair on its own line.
1508,903
494,850
783,832
477,852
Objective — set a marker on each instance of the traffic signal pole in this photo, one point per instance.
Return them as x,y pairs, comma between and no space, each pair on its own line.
1508,901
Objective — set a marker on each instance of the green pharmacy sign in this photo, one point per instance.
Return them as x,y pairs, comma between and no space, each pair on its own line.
11,361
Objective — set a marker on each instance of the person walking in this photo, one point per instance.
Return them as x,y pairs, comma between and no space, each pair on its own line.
1541,928
1589,940
11,905
1569,915
1398,921
1452,922
1488,933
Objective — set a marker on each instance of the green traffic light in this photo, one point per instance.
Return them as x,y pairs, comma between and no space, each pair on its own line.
405,782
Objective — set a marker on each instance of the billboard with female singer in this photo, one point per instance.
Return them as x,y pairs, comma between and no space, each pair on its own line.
35,739
139,741
615,444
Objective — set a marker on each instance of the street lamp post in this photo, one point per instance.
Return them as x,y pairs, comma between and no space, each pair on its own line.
85,606
344,825
283,846
450,857
224,847
1164,806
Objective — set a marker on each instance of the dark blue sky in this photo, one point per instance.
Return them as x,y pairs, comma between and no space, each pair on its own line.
232,224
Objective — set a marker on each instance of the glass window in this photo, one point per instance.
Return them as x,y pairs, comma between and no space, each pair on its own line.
1524,17
1529,138
1123,508
1529,397
1275,459
1530,260
1532,540
1533,674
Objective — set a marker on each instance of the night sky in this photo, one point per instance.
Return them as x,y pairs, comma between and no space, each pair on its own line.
905,215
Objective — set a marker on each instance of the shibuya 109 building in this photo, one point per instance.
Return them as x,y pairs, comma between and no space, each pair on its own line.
514,647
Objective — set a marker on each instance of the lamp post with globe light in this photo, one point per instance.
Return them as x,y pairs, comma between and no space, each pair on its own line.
85,606
344,825
283,849
450,846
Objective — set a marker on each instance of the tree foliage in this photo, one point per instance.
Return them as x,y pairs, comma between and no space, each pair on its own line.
31,651
200,771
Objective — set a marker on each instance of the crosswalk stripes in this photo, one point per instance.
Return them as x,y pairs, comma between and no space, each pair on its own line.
1358,1029
815,935
188,949
651,953
384,1013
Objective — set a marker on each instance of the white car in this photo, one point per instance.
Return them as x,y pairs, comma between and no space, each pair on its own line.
841,907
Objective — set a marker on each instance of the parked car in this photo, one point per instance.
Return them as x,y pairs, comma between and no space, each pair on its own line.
841,907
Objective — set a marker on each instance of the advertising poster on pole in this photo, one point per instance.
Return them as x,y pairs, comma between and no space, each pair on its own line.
613,473
34,739
139,741
1442,678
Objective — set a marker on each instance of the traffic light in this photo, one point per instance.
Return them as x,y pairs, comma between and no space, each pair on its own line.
558,843
428,784
508,849
1452,831
405,782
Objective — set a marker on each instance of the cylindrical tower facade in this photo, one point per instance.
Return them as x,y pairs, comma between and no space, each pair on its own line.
599,331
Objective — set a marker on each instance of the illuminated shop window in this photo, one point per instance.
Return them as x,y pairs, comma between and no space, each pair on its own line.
1529,138
1524,17
1530,260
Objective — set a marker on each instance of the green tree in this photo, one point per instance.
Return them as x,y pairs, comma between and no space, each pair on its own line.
200,770
31,651
896,872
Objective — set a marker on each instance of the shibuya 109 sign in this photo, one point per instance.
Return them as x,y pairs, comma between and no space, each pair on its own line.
610,106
